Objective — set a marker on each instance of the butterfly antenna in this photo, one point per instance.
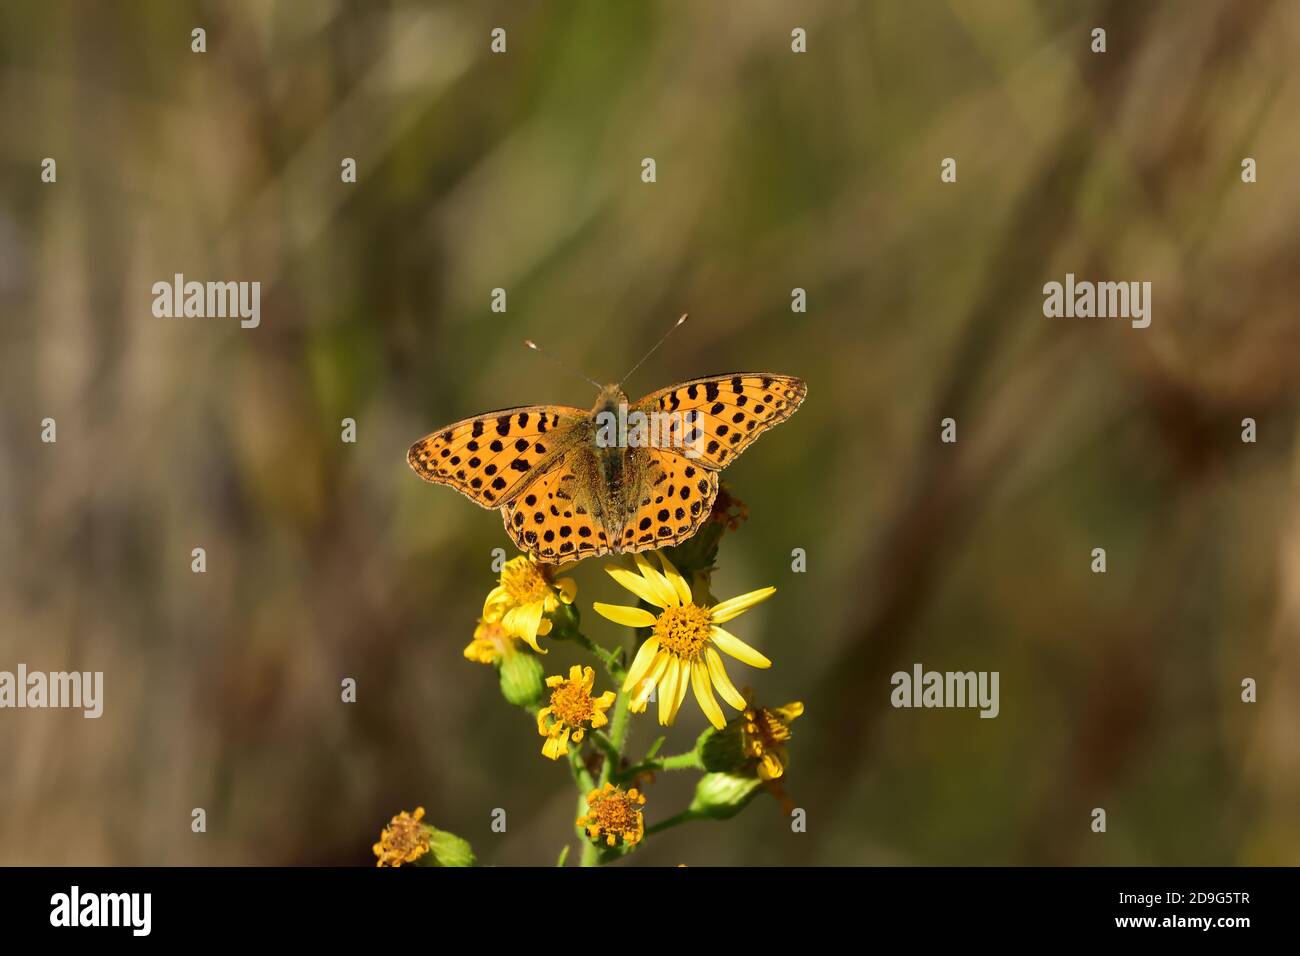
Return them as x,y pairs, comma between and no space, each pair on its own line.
537,348
655,349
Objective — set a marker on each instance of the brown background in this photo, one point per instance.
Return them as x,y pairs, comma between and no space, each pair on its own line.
775,170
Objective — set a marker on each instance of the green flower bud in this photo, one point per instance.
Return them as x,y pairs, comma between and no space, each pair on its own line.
521,679
447,849
722,751
723,795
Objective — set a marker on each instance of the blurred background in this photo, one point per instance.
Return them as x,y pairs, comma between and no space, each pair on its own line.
775,170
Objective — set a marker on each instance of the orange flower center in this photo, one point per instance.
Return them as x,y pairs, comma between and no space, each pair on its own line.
571,704
525,582
684,631
616,811
404,840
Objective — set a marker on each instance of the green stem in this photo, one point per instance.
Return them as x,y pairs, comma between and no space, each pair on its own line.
617,735
611,659
686,816
581,777
606,746
687,761
584,783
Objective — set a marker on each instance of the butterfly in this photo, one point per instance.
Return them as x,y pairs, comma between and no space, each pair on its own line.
619,478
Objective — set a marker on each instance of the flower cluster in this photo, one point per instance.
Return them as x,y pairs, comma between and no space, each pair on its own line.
677,643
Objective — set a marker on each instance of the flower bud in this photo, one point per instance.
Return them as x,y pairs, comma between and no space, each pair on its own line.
723,795
521,679
722,751
447,849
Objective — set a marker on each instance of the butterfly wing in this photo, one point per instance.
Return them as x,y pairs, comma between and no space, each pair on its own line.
664,499
562,512
490,457
723,414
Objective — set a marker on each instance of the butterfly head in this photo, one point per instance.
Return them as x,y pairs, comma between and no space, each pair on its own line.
611,397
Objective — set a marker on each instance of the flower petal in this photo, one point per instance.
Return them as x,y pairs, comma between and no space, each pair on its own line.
668,691
683,684
525,622
734,607
660,583
568,589
641,663
494,604
721,681
641,695
738,649
770,768
674,577
704,694
620,614
638,585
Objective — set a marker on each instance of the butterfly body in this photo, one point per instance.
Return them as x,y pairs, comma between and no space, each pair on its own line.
619,478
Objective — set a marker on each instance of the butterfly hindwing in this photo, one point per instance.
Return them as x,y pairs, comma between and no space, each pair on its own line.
558,516
730,411
666,497
489,457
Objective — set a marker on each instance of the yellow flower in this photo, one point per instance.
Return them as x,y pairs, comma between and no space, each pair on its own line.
491,643
683,650
763,733
614,812
528,591
571,706
404,840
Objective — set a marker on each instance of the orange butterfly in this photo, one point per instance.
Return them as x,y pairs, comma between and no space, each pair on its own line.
576,484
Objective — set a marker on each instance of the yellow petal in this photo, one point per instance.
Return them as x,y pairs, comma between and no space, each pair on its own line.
641,663
575,673
790,711
738,649
683,681
668,691
568,589
650,573
495,595
721,681
648,683
704,694
543,725
555,747
674,577
734,607
620,614
524,622
644,589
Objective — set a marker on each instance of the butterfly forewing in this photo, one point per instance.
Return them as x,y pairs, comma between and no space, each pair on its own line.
731,410
489,458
